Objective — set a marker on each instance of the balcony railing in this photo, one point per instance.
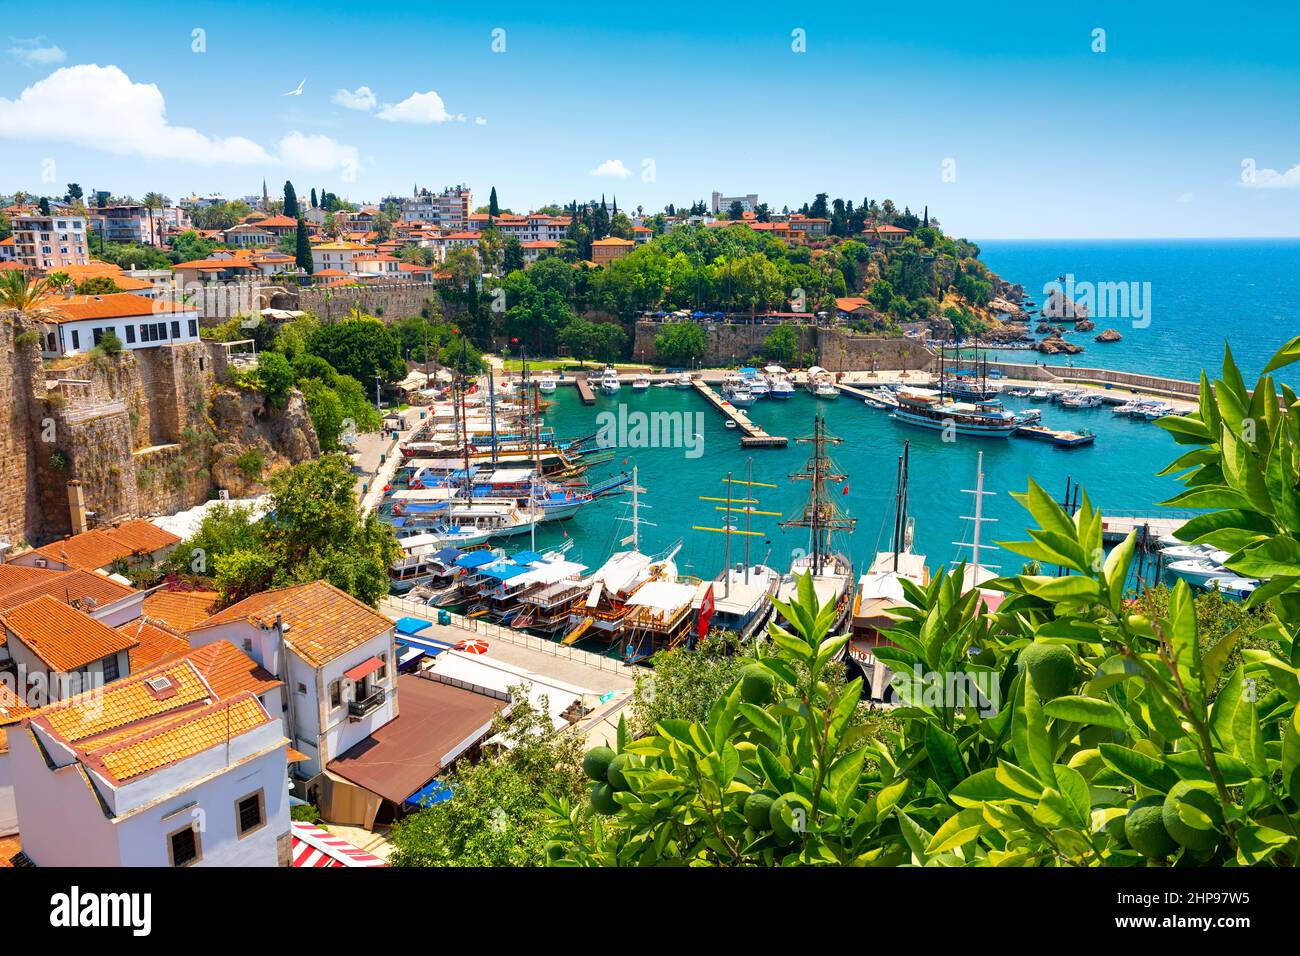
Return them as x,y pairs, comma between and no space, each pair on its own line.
359,708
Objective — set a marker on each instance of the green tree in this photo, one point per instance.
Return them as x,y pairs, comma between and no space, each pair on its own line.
326,411
681,343
493,209
302,248
98,285
275,377
782,345
497,816
291,201
361,348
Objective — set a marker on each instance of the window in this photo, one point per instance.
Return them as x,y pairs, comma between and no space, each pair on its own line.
250,813
194,333
76,339
382,672
130,335
302,688
97,335
336,694
176,329
111,673
183,847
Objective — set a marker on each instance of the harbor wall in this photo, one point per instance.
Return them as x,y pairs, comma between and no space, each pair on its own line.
835,349
397,300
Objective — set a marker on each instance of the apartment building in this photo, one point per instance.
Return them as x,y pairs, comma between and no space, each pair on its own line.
131,224
50,242
449,209
720,203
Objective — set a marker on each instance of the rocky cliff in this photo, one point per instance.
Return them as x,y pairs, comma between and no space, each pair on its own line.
148,431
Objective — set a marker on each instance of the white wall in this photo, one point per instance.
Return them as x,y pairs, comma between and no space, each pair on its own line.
8,810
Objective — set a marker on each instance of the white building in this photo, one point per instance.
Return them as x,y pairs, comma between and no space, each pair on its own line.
339,255
449,209
159,769
721,203
333,653
78,323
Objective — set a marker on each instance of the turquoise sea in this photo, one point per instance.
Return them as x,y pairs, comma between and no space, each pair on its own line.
1202,292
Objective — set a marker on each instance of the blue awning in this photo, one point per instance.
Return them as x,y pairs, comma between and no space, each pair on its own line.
476,559
435,791
448,555
506,571
527,557
429,645
412,625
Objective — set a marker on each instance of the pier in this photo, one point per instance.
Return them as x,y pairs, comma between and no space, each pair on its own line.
752,436
584,389
1150,528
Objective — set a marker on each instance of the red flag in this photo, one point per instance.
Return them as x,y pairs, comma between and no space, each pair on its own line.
846,489
706,613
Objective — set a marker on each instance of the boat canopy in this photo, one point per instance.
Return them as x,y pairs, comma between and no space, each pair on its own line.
774,370
815,371
477,559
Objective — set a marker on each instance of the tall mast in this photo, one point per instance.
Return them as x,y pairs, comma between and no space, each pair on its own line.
820,514
464,429
636,516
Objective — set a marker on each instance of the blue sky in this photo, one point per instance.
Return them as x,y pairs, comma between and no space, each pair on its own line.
1041,136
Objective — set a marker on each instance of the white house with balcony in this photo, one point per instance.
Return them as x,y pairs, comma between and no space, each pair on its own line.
334,654
75,324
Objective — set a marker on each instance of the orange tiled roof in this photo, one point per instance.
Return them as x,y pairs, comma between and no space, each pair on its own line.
18,585
63,637
100,547
324,622
229,671
10,847
12,710
181,610
111,305
613,241
154,642
281,222
125,704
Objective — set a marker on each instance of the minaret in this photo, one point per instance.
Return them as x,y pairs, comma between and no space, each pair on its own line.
266,197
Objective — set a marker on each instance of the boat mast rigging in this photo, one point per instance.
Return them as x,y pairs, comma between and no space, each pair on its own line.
820,514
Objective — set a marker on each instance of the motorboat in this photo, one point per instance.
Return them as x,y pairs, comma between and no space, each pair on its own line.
609,383
1193,552
1197,571
546,384
1040,395
683,380
1232,586
641,384
782,388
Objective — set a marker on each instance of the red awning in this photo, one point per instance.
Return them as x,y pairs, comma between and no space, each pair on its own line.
363,669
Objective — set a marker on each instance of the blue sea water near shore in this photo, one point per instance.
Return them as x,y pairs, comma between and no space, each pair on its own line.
1202,293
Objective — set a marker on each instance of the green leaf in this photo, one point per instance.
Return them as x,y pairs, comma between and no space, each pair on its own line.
959,829
1284,356
981,788
1116,569
1086,710
945,758
1138,767
1271,558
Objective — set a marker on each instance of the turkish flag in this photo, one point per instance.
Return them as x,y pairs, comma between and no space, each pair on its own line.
706,613
846,489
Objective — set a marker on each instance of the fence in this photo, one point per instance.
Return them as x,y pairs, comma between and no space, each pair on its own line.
518,638
81,411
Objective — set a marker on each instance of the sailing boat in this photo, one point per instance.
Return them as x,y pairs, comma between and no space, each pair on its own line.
976,571
881,591
741,599
831,571
634,601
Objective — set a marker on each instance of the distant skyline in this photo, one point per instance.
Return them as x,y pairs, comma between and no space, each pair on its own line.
1007,124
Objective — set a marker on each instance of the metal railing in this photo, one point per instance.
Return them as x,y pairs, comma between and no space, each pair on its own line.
359,708
82,411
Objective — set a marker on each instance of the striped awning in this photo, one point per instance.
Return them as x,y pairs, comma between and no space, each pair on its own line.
314,847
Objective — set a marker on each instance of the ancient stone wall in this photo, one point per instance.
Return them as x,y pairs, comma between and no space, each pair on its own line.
21,415
388,301
835,349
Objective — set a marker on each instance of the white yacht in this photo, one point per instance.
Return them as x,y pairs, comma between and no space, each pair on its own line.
683,380
641,384
820,384
609,383
546,384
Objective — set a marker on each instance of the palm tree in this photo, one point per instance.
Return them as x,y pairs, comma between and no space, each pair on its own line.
28,296
151,202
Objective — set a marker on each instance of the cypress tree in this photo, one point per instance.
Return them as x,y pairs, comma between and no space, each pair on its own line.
290,200
313,197
493,209
302,248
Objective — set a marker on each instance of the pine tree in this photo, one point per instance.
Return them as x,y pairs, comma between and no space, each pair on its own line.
302,247
493,209
290,200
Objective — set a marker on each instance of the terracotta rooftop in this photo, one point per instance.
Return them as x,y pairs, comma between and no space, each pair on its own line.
324,622
18,585
64,638
102,546
180,610
229,671
111,305
154,642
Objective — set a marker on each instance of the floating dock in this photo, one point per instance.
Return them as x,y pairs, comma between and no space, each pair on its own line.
752,436
1059,437
1150,528
584,389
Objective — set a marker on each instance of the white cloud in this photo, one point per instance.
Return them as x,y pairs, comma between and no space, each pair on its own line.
480,120
1272,179
612,167
37,51
416,108
98,107
363,98
316,152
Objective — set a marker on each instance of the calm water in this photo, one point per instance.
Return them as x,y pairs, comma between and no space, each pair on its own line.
1202,292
